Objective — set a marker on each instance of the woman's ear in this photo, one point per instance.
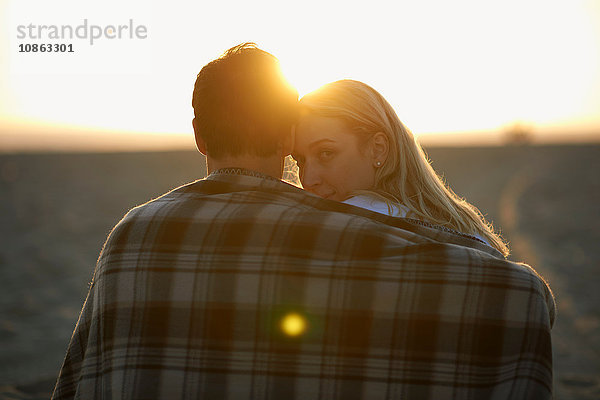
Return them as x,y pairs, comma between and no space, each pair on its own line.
380,147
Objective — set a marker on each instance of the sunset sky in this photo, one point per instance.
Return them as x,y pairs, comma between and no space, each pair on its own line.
446,67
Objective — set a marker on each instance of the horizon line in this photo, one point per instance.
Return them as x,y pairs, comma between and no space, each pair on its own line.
36,138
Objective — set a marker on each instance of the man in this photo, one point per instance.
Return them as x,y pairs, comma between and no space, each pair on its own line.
240,286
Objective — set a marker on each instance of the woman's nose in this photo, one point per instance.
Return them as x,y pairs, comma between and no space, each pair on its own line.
309,177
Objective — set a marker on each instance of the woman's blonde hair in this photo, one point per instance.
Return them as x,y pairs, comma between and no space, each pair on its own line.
406,177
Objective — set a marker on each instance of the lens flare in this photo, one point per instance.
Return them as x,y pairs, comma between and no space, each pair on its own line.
293,324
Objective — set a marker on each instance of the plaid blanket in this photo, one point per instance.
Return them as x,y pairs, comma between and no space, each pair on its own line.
240,287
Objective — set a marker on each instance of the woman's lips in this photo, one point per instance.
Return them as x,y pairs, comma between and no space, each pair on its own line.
326,195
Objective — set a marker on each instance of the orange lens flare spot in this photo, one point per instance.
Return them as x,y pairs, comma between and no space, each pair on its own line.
293,324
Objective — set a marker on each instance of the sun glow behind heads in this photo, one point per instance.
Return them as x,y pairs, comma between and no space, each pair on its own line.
444,66
469,65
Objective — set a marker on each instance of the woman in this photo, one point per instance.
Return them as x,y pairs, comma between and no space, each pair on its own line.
352,147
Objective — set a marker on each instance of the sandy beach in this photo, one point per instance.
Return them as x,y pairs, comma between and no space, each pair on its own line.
57,210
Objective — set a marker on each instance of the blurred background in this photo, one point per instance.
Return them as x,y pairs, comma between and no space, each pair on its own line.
504,96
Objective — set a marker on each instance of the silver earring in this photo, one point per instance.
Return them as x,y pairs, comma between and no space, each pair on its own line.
379,163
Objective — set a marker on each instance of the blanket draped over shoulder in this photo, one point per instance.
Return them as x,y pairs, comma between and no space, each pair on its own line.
191,291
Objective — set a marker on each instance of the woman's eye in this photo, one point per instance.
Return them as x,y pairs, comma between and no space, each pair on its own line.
325,155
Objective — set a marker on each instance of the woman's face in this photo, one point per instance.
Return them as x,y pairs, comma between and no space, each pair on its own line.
330,159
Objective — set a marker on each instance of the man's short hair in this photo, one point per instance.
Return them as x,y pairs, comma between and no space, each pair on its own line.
243,104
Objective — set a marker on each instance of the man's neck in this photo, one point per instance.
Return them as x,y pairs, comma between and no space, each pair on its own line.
272,166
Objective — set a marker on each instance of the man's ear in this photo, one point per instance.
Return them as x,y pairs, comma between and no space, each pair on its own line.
380,147
200,143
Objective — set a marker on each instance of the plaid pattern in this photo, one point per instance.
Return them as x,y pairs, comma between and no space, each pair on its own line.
190,290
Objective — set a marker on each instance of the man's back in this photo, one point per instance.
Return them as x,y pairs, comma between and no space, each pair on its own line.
192,289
